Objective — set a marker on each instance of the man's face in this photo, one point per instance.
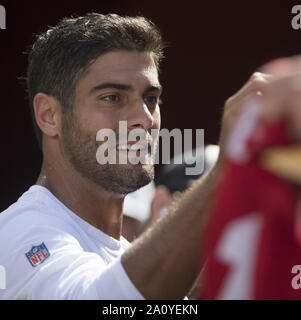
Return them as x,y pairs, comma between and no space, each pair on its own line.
119,86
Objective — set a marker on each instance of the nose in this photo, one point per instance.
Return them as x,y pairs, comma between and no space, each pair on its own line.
140,116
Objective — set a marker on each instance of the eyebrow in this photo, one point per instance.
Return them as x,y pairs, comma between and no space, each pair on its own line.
123,87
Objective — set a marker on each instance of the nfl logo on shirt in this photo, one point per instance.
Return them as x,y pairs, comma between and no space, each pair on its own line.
37,254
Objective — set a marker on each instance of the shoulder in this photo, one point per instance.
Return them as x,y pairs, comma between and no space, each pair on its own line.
33,217
38,240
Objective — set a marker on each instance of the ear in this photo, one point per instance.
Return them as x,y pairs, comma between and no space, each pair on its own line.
47,112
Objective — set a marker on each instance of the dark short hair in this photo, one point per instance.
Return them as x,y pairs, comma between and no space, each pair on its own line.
61,55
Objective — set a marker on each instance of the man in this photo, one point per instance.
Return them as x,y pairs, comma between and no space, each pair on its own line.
62,237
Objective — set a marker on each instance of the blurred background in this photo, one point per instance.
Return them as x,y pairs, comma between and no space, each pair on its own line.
213,49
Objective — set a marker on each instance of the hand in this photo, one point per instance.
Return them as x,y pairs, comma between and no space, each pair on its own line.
282,96
255,86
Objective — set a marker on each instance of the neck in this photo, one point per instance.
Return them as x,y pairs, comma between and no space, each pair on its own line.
89,201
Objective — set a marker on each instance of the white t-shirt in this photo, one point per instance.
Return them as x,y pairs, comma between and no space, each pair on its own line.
49,252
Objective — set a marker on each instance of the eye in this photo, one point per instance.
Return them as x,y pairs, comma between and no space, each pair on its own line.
111,98
152,100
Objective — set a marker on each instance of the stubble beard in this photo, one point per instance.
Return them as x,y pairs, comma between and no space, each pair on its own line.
80,147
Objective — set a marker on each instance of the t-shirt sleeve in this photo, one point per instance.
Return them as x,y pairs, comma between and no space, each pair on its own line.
48,263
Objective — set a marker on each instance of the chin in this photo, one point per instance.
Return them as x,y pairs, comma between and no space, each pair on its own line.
124,179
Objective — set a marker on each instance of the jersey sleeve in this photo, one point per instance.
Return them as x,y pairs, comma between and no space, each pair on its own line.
46,262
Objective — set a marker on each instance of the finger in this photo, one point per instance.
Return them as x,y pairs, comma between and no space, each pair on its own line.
282,66
282,97
255,85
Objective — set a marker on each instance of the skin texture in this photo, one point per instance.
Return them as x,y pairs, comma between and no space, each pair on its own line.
165,261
